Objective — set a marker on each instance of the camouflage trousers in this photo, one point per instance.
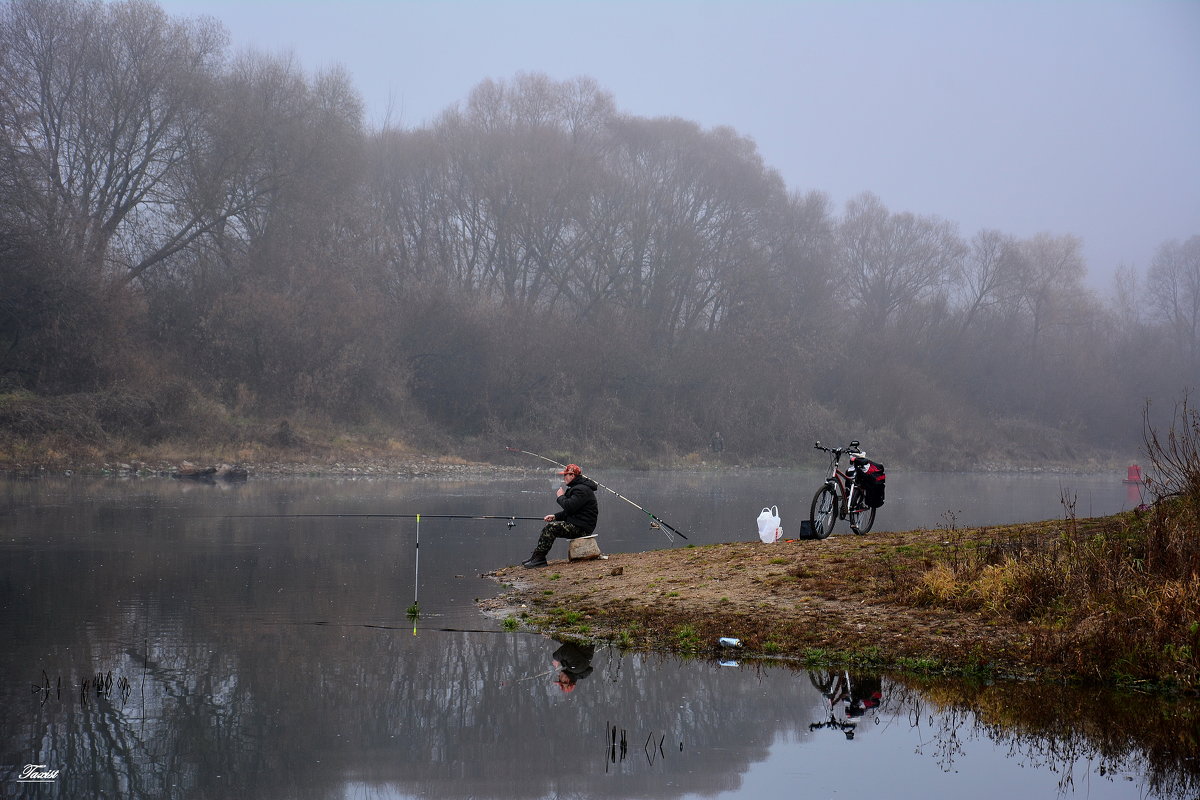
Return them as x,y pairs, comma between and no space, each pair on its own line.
557,530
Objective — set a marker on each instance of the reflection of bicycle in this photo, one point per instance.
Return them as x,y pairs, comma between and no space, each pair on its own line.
844,725
841,497
835,686
853,696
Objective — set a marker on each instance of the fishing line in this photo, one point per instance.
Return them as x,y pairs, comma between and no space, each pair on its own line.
512,520
545,674
662,524
415,609
323,624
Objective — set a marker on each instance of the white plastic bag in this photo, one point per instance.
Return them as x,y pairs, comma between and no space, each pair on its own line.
769,525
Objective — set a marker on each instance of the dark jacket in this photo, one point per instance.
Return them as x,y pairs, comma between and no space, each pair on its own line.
579,505
575,660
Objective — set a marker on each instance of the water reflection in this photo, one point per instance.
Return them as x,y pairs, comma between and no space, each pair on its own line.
850,698
573,662
456,721
168,641
1087,740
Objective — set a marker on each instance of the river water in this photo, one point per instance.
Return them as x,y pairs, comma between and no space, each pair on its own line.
173,639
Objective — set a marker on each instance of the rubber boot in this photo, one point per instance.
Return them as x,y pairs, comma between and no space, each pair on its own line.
535,560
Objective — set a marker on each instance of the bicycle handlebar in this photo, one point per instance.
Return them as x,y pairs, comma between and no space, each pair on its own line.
853,447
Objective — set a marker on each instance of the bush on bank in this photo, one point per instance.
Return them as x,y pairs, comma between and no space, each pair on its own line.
1119,599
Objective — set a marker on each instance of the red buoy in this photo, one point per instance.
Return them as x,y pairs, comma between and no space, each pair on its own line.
1134,475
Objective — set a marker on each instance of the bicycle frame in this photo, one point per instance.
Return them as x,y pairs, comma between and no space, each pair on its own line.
839,480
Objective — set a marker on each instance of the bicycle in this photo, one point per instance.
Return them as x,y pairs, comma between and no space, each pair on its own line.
840,497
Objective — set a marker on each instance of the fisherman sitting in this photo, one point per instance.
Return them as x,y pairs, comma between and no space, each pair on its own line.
577,517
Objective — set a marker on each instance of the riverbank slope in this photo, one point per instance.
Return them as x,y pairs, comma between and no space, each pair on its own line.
867,600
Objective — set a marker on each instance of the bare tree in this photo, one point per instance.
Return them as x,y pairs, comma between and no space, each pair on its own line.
1174,278
1127,294
1052,288
513,167
99,104
690,235
991,274
892,260
296,316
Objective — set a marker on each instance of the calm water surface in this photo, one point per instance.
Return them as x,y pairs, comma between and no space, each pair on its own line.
168,639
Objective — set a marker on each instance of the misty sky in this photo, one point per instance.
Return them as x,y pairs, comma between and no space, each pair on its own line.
1067,117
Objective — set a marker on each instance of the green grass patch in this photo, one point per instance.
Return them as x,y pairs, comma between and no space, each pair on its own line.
687,638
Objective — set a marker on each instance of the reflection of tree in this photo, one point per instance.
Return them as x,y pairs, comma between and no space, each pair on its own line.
244,681
245,678
1063,729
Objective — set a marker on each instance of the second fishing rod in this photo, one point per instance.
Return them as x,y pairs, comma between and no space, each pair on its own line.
658,522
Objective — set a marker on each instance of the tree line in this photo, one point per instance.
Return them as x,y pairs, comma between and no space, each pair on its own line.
222,233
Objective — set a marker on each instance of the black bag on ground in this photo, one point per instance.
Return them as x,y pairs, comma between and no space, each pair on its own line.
871,478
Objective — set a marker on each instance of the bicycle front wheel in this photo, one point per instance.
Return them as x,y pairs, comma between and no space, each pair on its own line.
823,513
861,517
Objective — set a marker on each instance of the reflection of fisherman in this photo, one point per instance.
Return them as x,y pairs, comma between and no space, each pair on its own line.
577,517
573,662
718,444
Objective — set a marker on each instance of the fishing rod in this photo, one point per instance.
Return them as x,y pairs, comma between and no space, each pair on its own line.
666,527
512,520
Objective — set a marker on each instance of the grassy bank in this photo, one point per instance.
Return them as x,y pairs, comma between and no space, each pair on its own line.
1112,600
106,431
1116,599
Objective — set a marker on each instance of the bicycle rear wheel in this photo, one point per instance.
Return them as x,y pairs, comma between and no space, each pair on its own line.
823,513
861,517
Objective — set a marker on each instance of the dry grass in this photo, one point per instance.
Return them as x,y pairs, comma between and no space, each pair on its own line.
1118,597
89,430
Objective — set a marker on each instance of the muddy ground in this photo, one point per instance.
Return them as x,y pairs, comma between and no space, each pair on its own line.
804,599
